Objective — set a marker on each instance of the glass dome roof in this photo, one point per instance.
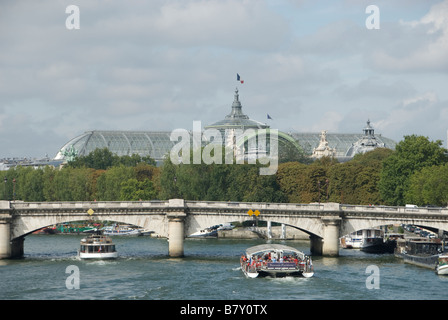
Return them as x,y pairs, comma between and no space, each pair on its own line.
153,143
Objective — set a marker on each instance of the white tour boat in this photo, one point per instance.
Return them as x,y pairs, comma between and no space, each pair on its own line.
369,240
97,247
442,264
276,260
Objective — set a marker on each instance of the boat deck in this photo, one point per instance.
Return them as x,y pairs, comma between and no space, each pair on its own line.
275,260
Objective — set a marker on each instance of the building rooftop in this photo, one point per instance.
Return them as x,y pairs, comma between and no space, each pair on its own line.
144,143
157,144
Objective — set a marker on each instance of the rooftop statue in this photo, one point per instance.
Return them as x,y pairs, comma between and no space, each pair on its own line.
323,149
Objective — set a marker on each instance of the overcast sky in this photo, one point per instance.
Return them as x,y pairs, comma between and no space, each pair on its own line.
162,64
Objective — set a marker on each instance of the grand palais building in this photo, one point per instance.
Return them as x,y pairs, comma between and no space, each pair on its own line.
157,144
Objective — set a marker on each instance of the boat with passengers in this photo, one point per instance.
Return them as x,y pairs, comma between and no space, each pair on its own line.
275,260
97,246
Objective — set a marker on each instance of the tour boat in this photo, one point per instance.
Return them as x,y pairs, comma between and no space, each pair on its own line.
275,260
97,247
442,265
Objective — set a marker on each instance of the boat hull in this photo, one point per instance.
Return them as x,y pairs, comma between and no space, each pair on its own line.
280,274
442,270
98,255
421,261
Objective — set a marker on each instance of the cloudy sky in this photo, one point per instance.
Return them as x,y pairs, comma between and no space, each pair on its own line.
162,64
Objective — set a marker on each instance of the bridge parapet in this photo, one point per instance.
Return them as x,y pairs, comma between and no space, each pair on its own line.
88,204
381,210
265,207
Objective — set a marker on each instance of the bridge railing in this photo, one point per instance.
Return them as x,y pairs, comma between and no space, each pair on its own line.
316,207
87,204
392,209
255,205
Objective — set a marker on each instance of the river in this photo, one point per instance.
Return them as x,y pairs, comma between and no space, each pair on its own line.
209,271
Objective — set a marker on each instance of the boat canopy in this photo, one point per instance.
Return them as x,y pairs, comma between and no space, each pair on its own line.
273,247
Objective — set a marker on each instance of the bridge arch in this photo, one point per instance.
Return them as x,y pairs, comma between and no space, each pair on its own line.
350,226
22,228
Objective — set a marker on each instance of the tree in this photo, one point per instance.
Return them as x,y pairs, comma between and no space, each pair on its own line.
356,181
428,186
411,155
289,176
109,184
135,190
102,159
97,159
168,180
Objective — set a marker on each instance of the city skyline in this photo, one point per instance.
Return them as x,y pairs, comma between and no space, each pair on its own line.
160,65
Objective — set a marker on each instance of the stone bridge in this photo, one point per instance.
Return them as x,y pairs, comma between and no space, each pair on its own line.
176,218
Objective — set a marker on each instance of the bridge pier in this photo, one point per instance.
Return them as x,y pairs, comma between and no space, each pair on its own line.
176,227
17,247
330,246
316,245
5,230
5,240
269,229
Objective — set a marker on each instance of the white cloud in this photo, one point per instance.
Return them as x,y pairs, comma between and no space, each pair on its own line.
423,115
425,45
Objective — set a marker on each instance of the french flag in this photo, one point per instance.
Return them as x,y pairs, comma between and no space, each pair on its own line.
238,78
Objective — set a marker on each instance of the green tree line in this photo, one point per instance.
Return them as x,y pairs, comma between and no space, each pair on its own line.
415,172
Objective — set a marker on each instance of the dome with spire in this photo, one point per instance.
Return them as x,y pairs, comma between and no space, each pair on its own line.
236,119
367,143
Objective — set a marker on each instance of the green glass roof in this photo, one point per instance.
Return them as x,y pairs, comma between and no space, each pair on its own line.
153,143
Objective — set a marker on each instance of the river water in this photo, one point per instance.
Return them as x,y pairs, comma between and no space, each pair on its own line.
209,271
